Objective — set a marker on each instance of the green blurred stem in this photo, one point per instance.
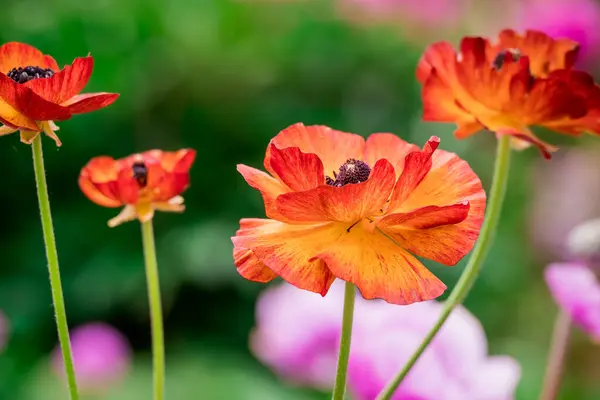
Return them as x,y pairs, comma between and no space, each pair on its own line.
158,345
339,390
556,358
476,260
52,256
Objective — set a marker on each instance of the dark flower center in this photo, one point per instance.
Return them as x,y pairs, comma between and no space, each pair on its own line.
512,54
140,173
352,171
22,75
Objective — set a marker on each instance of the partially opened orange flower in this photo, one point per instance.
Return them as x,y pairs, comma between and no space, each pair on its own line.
509,86
340,207
34,92
143,183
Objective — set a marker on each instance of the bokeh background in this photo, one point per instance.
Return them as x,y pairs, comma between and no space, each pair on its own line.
223,77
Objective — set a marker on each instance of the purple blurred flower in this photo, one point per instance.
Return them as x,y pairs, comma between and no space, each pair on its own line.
297,335
101,355
574,19
576,289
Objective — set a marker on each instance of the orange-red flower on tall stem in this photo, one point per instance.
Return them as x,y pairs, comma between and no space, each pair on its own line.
143,183
34,92
342,207
509,86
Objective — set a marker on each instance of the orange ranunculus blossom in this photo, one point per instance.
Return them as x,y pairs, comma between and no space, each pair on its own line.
143,183
509,86
34,92
342,207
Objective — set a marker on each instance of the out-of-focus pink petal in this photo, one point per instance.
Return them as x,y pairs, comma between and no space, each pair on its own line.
495,379
295,339
577,291
101,355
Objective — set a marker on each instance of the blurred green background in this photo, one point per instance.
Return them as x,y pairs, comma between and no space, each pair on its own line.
223,77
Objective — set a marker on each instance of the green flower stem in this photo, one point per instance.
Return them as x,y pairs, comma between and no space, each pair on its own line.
556,358
158,345
52,256
339,390
476,260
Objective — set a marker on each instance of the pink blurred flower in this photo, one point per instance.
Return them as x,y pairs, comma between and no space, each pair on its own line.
101,355
576,289
297,335
574,19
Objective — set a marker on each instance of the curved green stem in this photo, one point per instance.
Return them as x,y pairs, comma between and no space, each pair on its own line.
556,358
473,267
53,269
339,390
158,345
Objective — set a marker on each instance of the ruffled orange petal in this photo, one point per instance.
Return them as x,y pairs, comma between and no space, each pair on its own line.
97,182
179,161
449,182
66,83
545,53
417,165
15,55
268,186
85,103
583,85
168,172
437,72
332,147
387,146
428,217
28,103
377,266
248,265
349,203
297,170
288,250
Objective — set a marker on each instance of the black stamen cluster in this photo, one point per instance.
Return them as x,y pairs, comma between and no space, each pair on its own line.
352,171
140,173
22,75
511,54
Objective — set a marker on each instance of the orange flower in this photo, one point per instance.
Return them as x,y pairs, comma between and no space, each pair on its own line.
344,208
507,87
144,182
34,92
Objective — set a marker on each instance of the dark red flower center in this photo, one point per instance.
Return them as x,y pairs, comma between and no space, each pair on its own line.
352,171
510,54
22,75
140,173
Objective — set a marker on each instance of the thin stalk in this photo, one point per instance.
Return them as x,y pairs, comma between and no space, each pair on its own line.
53,269
469,275
556,358
158,345
339,390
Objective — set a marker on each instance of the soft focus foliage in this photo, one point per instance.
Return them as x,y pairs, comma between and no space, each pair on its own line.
223,77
